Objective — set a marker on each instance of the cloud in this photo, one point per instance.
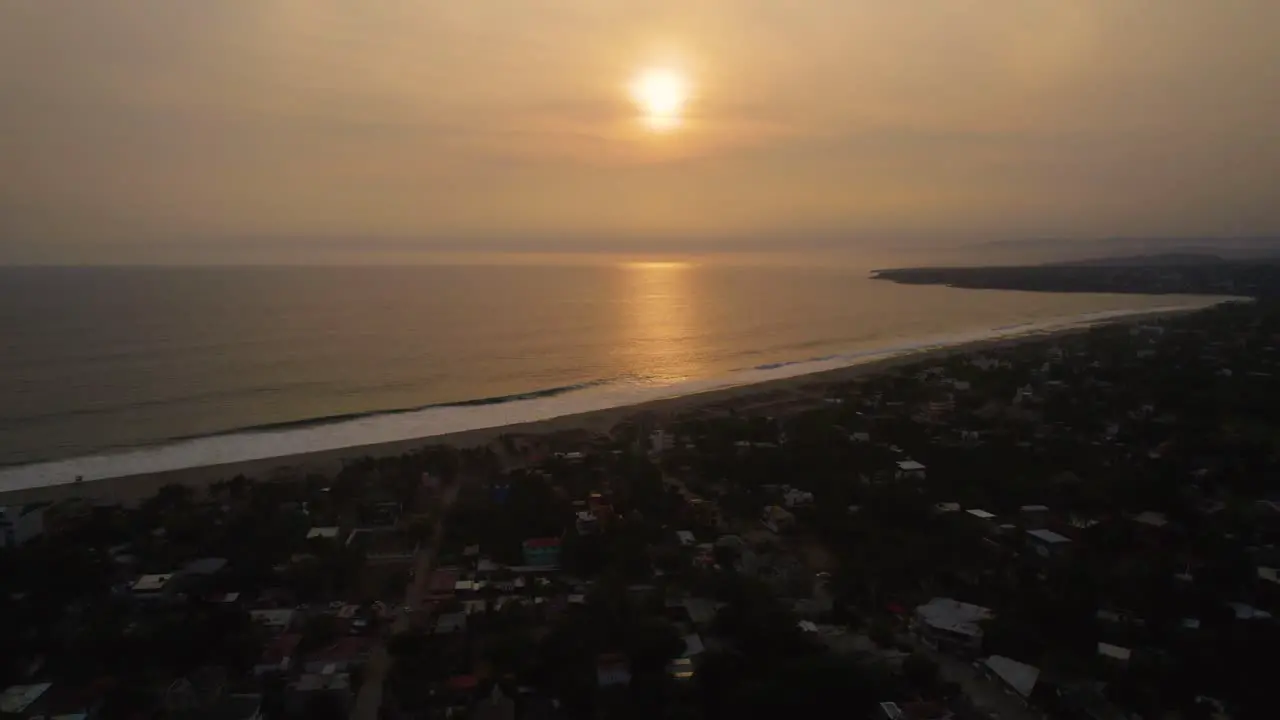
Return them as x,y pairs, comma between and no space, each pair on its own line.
166,122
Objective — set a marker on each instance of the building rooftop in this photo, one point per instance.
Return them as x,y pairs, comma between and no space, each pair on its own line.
1017,675
1049,536
1114,651
954,616
1154,519
981,514
18,698
273,618
152,583
323,532
909,465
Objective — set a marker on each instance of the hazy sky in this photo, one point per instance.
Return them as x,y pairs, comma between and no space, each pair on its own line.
165,130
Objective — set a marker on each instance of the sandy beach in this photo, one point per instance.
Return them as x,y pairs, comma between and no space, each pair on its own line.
131,488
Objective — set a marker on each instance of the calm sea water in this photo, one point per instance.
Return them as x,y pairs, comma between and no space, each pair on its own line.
95,361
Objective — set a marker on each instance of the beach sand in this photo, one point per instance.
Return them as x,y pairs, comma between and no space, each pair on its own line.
132,488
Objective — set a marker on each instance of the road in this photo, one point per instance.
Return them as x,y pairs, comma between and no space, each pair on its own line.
369,700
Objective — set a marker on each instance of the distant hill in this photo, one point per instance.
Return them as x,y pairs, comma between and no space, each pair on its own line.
1188,274
1048,250
1162,260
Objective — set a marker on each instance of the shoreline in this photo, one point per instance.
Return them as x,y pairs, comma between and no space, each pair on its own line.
129,488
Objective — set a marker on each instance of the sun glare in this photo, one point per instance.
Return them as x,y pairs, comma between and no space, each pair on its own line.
660,95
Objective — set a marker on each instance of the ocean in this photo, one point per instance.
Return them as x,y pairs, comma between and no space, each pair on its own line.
112,371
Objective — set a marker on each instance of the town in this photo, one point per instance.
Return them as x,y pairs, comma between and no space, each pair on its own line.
1081,526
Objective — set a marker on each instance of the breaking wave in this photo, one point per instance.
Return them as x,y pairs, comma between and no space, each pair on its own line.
360,429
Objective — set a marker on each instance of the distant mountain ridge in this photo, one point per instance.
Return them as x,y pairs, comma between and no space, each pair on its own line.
1050,250
1163,260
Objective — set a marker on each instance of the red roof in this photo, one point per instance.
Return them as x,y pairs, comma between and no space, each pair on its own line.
441,581
280,648
542,542
464,682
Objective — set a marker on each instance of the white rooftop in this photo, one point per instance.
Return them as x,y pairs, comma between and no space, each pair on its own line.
322,532
273,618
954,616
1268,574
18,698
981,514
1019,676
909,466
1034,508
686,537
693,645
1154,519
1245,611
152,583
1049,536
1114,651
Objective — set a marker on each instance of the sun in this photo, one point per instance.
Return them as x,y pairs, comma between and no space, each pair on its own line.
661,95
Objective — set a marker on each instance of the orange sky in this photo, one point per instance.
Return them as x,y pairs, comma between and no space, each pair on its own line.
160,121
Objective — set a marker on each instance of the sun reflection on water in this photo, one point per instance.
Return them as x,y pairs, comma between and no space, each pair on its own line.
663,339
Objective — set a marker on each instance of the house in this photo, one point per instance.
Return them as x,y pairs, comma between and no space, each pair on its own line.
680,669
693,645
152,586
278,655
686,538
946,507
20,524
448,623
1047,543
441,583
1114,652
1151,519
1245,611
860,437
16,699
1017,676
793,498
542,552
613,670
909,470
276,620
323,533
984,518
950,624
586,523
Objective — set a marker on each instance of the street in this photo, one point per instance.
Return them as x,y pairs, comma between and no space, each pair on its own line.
370,698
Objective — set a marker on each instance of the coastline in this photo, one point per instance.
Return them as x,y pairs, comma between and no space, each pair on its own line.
129,488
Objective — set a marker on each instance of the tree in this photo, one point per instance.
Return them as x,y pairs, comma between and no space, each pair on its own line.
920,671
